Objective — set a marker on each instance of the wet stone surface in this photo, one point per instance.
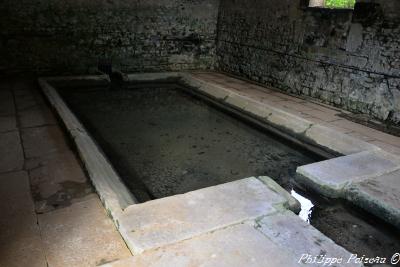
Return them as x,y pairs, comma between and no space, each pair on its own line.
163,141
57,181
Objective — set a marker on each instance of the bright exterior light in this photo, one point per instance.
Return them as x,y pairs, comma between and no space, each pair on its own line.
340,3
333,3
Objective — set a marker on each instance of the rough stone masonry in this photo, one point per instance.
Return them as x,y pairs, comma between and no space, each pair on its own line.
67,36
346,58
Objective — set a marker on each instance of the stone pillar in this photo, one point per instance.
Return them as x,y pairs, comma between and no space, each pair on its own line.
317,3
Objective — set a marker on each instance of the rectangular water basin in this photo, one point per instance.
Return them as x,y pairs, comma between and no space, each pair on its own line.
163,140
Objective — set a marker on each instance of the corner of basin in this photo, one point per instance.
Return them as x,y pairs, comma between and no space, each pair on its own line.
314,183
290,202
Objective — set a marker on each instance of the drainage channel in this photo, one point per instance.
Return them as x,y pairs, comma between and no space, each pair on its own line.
152,131
350,227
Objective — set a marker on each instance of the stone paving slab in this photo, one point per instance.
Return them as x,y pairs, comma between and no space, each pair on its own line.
235,246
8,123
37,116
44,140
379,195
20,242
26,98
165,221
336,141
395,150
81,235
57,180
6,103
12,156
301,239
331,176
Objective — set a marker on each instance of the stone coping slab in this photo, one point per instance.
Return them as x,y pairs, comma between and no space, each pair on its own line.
303,240
236,246
113,193
331,177
71,81
307,131
278,239
169,220
379,195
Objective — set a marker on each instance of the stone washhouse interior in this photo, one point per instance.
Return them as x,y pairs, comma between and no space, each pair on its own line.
199,133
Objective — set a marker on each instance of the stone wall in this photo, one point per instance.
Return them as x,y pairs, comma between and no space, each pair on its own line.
70,36
350,59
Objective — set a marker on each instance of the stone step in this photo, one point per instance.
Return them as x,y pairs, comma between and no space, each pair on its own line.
169,220
235,246
379,195
331,177
370,180
279,239
306,244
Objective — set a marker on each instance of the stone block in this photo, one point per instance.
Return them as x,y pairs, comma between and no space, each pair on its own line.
7,123
292,203
379,195
57,180
27,98
40,141
12,154
331,176
301,239
165,221
20,242
81,235
7,106
336,141
36,116
235,246
210,89
289,122
237,101
258,109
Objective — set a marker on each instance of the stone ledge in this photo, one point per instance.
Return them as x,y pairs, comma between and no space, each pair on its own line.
331,140
299,238
113,193
235,246
378,195
169,220
331,177
368,179
84,80
336,141
278,239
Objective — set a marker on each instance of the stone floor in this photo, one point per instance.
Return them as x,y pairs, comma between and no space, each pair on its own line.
52,217
50,213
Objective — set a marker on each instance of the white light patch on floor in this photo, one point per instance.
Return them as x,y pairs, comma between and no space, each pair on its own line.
306,206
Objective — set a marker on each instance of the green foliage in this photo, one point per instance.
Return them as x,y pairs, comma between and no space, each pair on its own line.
340,3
